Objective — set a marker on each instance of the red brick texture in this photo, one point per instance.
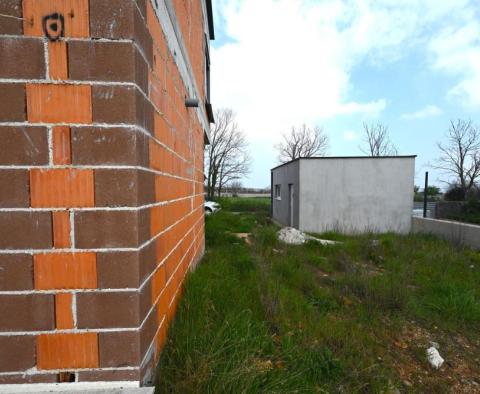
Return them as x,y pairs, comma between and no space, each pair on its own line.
101,184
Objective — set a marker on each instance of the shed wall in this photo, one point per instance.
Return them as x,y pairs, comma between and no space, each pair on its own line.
353,195
285,175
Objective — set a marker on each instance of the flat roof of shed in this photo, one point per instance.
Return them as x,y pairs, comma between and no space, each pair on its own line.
344,157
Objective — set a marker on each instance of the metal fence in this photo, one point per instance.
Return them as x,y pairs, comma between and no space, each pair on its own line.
418,208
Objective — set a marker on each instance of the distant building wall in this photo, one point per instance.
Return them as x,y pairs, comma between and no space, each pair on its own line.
456,232
283,176
352,195
101,182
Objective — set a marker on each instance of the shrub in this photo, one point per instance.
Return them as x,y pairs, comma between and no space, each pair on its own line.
454,193
474,194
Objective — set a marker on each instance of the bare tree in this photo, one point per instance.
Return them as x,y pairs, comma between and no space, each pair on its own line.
227,158
302,141
377,141
460,155
235,187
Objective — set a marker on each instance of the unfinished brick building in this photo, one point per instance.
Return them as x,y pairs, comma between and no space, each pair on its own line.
101,182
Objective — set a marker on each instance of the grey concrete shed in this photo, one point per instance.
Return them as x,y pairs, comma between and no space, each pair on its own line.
345,194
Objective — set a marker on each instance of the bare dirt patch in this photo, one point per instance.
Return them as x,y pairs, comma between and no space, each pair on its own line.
459,374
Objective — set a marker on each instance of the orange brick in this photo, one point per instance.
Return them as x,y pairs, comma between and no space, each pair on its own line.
155,93
63,311
75,14
156,30
57,60
65,188
65,271
157,220
61,229
158,283
61,145
163,304
59,103
64,351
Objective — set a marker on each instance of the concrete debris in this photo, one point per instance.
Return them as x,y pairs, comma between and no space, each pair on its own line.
292,236
434,357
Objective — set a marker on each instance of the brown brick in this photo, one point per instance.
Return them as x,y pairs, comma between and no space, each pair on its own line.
145,113
22,57
119,349
101,61
17,353
22,378
107,310
25,230
23,145
142,37
114,104
104,146
141,72
147,332
109,229
142,6
11,25
14,189
107,24
126,23
145,299
147,370
122,104
148,260
27,312
12,99
117,187
144,224
117,270
115,375
16,272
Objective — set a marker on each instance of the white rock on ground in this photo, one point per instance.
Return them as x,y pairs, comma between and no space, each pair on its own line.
434,357
293,236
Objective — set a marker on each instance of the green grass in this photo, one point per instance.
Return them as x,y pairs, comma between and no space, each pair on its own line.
239,204
269,317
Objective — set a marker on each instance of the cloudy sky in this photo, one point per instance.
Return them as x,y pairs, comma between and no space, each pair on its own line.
411,64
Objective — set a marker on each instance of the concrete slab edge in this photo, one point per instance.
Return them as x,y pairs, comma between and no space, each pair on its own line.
81,387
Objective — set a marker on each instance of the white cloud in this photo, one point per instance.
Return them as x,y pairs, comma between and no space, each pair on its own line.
290,61
456,52
350,136
286,65
427,112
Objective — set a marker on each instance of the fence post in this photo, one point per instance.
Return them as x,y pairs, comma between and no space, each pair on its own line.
425,195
